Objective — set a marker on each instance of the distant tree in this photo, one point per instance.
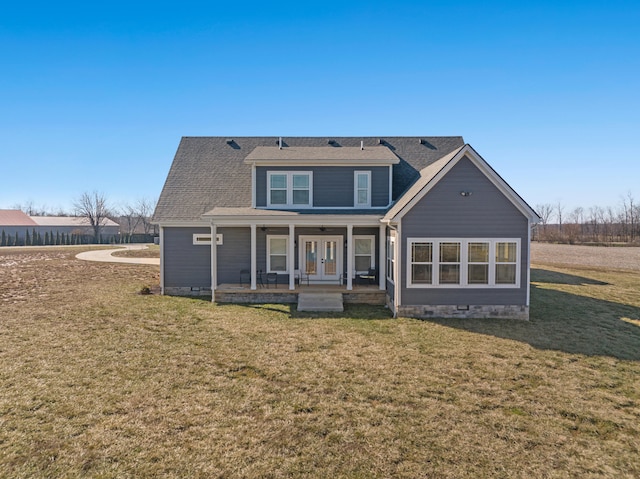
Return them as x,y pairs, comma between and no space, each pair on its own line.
94,207
27,239
3,241
559,211
545,211
145,207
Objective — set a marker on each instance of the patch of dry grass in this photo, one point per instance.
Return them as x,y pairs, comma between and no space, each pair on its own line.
152,251
100,381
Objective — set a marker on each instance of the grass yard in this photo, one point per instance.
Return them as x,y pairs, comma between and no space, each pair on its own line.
152,251
100,381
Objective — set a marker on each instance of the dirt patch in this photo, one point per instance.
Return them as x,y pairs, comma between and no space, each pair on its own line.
590,256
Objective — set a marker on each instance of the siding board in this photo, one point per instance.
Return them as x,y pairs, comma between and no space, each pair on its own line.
444,213
187,265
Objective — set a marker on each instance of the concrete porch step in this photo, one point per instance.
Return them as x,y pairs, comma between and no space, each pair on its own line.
320,301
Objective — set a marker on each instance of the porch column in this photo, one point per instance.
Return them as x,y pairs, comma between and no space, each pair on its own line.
349,257
291,260
254,261
382,257
214,261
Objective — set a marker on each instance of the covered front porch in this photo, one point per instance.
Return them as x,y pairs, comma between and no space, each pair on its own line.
265,253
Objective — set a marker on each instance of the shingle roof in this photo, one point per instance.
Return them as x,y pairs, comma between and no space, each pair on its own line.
15,218
315,153
210,172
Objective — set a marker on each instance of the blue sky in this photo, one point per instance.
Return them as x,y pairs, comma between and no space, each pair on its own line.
96,95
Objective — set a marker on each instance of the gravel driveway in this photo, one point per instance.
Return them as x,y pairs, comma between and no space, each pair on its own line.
600,256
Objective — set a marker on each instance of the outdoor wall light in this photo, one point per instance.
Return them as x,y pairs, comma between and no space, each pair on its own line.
465,193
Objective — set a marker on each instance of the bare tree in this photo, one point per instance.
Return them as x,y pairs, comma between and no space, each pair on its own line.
31,209
130,217
94,207
145,207
559,211
545,211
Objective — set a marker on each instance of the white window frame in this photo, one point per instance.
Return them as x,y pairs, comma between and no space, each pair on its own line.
464,263
289,189
286,254
391,257
356,189
372,255
205,239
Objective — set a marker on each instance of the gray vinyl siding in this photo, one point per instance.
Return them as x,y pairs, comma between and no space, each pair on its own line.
234,254
185,264
332,185
444,213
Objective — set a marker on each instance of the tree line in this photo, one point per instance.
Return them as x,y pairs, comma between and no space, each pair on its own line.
595,225
134,219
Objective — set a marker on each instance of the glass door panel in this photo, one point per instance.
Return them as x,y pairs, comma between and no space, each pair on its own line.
330,261
311,257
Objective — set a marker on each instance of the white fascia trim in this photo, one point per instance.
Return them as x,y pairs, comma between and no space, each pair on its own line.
303,163
185,224
489,172
308,220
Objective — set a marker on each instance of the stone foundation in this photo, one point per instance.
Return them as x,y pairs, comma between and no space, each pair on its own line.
464,311
187,291
374,298
255,297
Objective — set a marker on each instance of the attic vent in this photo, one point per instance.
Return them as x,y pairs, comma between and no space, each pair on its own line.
332,142
380,141
229,141
422,141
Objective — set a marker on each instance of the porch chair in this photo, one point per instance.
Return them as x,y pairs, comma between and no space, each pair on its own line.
300,277
369,277
272,278
245,276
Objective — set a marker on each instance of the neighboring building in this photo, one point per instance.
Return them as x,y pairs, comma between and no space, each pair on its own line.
437,230
14,222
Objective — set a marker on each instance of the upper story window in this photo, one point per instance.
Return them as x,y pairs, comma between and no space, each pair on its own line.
456,263
291,189
362,189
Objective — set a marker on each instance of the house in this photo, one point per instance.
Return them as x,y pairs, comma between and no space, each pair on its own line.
425,219
17,224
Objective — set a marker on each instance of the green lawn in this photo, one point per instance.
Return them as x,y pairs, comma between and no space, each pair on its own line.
99,381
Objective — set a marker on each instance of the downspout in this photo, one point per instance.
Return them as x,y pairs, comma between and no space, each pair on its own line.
528,262
161,259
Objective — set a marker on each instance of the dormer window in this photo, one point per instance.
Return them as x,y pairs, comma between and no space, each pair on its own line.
362,189
289,189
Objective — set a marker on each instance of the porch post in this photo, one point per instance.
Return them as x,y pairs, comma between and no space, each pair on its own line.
382,257
349,257
253,257
291,261
214,261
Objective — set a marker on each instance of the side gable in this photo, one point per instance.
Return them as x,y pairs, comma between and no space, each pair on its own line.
431,175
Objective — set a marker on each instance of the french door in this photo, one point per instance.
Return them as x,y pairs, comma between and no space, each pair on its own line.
321,257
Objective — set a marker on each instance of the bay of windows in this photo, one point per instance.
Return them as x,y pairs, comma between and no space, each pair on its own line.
289,189
463,262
